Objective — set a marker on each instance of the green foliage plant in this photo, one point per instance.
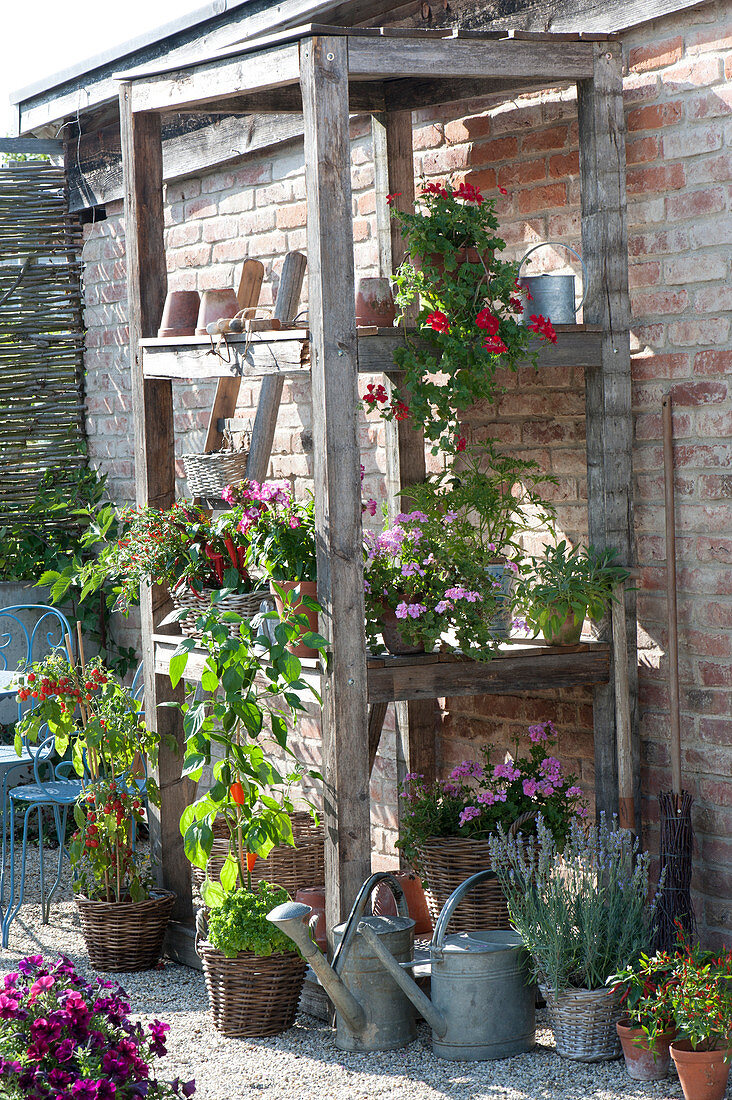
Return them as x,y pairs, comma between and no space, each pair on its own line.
240,922
280,527
253,692
477,799
91,713
568,581
702,997
469,309
646,988
582,908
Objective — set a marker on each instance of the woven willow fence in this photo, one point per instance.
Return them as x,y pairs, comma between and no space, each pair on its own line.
41,340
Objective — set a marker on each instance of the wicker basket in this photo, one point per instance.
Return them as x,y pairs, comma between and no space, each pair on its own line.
124,936
583,1022
246,604
251,995
208,475
445,862
292,868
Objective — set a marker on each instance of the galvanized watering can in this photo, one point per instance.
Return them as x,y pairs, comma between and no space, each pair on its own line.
552,296
481,1007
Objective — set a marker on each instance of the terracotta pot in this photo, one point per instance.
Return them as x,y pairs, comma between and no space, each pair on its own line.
642,1063
216,304
307,588
464,256
392,635
703,1073
374,303
567,634
180,313
314,896
385,906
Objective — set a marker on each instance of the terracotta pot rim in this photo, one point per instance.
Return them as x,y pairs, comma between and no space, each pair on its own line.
632,1030
683,1047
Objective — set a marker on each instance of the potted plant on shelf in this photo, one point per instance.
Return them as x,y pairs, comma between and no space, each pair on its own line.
469,310
447,825
253,693
648,1027
582,911
123,914
61,1036
195,553
477,511
281,530
565,586
702,1006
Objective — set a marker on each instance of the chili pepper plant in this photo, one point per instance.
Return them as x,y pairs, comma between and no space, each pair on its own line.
702,996
253,692
469,311
647,988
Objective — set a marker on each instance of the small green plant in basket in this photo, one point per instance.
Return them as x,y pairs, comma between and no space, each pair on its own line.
240,922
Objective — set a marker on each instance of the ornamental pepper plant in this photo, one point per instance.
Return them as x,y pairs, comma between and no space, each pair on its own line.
702,996
469,305
61,1036
253,692
478,797
646,988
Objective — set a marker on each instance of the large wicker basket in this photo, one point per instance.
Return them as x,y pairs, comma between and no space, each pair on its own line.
583,1022
252,995
208,475
291,868
445,862
246,604
125,936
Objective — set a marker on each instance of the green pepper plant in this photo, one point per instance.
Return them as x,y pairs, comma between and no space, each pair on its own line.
253,691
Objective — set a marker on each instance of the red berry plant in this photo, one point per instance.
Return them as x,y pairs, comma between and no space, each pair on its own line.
469,311
95,720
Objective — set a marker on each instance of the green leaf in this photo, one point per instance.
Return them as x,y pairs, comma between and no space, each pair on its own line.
314,640
209,680
229,875
177,667
79,816
213,894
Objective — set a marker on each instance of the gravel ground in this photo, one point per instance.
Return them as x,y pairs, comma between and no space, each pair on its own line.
304,1063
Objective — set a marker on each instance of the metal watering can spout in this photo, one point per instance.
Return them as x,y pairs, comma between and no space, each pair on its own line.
291,919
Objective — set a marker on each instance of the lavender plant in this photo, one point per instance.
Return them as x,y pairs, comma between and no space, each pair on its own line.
582,912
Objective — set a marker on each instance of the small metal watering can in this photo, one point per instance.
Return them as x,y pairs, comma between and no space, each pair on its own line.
552,296
481,1007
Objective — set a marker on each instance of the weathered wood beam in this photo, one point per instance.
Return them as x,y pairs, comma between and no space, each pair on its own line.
608,384
417,94
337,482
152,404
213,80
436,58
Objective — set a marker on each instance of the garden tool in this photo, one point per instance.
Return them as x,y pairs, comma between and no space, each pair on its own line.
551,296
676,838
481,1007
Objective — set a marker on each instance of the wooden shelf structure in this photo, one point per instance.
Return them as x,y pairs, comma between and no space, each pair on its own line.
327,73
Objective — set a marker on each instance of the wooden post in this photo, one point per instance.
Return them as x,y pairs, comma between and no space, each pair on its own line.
152,404
324,81
405,458
608,397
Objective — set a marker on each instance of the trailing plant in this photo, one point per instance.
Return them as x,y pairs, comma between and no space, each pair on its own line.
61,1036
647,987
281,528
239,922
183,545
469,305
478,799
253,691
568,581
478,509
66,524
581,908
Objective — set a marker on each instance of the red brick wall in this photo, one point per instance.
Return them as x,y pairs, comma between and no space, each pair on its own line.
678,103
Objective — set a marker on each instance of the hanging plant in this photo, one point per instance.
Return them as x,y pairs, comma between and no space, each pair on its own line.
469,308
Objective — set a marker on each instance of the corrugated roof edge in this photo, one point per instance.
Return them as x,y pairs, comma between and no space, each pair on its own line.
185,22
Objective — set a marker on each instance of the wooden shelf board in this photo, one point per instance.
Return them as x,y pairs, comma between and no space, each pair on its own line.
518,665
288,353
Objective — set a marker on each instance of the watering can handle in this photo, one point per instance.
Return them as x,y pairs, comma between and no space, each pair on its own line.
359,908
560,244
438,937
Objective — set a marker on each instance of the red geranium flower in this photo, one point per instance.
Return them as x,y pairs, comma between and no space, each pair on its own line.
394,195
488,321
503,190
494,344
435,189
400,410
469,193
461,443
438,321
543,327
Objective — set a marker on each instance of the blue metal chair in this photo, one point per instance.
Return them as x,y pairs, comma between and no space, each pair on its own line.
49,632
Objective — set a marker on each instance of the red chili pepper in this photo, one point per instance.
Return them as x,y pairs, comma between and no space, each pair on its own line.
241,554
229,544
217,560
237,793
251,860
